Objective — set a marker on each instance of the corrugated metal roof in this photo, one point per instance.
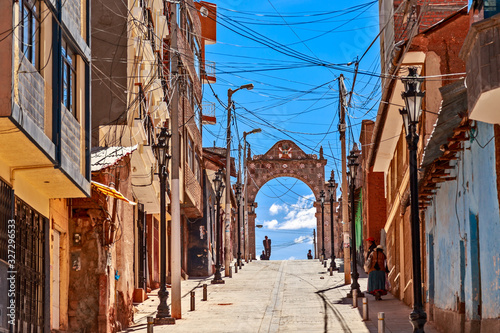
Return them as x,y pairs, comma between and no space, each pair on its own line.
453,106
103,157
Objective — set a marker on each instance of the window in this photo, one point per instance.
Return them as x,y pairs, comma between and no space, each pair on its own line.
68,78
491,7
197,56
190,154
30,22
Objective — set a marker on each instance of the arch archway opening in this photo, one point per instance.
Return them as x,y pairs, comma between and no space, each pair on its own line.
286,213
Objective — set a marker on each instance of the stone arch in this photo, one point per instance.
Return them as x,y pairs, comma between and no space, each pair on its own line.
286,159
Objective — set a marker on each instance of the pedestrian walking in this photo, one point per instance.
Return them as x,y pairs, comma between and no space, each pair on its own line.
267,247
371,246
376,267
309,255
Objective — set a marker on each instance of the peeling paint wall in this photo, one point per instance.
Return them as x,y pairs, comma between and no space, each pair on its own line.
462,228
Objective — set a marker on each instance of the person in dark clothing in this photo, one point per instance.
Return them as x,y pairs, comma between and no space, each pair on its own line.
376,266
309,255
263,255
267,247
371,246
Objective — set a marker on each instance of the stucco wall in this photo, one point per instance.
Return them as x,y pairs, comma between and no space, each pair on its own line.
463,260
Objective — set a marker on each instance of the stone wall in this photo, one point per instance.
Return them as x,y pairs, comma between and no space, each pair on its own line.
31,93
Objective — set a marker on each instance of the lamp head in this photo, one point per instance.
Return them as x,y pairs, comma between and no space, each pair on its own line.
248,86
322,196
413,94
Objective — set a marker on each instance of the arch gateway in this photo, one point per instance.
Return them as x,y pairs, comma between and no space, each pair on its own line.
286,159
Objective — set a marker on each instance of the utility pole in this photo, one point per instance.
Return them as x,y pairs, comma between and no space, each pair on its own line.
345,205
227,228
175,202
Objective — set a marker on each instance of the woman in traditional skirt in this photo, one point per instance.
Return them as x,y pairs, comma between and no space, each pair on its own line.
376,267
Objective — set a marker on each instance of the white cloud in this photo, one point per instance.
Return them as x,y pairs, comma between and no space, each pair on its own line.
273,224
299,215
303,239
292,258
275,209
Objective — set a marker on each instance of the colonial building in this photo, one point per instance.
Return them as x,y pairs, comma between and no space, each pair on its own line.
427,35
44,154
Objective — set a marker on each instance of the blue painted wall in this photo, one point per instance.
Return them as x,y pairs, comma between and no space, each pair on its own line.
463,228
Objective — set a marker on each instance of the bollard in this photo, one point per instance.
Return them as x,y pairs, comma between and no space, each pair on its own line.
204,292
192,301
354,298
366,316
230,272
381,322
236,267
331,271
324,263
151,323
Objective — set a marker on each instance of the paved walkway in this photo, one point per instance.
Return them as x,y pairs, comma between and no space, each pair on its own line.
279,296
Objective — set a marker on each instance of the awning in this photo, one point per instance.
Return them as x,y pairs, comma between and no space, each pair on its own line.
111,192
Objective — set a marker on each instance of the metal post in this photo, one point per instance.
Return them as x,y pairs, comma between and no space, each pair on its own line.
354,261
238,199
150,324
236,267
204,292
333,193
218,194
193,299
230,272
366,315
418,317
381,322
323,257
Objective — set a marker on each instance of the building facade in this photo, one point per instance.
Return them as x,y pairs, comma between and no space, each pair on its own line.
45,153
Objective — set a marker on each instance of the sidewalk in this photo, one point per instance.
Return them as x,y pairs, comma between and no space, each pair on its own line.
279,296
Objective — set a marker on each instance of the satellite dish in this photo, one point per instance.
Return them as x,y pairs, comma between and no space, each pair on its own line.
204,11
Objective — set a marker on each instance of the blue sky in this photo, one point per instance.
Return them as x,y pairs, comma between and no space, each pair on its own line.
293,51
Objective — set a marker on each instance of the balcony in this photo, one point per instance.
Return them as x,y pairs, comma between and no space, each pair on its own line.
193,207
208,75
481,53
208,114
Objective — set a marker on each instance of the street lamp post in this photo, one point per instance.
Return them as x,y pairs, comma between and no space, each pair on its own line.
411,113
238,200
353,168
230,93
162,155
332,189
322,200
219,188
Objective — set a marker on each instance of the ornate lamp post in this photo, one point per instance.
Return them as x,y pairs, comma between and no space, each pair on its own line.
219,189
322,200
332,189
161,151
413,100
353,168
238,200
